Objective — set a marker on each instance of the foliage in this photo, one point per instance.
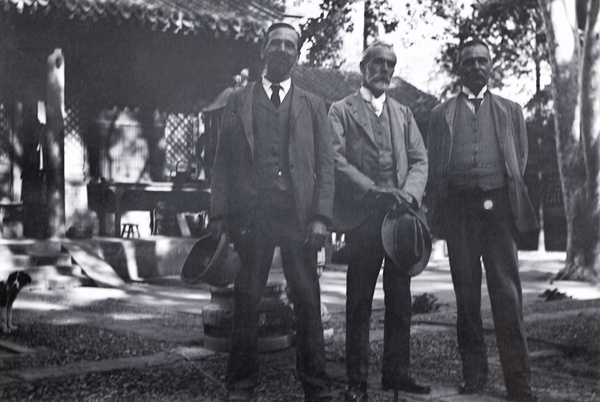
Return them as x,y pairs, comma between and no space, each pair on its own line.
378,12
425,303
553,295
325,32
277,4
512,28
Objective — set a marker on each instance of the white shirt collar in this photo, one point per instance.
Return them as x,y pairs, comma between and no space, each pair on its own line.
285,86
471,95
367,95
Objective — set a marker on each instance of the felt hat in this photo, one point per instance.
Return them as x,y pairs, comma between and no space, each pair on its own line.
212,261
406,240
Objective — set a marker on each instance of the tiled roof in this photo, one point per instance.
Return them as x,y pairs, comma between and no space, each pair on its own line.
240,19
332,85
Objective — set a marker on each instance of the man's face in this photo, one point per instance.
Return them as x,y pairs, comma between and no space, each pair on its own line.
280,53
378,69
475,67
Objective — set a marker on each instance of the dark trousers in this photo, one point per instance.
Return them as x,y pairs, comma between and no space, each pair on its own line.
481,226
366,254
277,225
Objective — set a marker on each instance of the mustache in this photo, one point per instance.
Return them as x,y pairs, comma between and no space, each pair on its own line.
382,78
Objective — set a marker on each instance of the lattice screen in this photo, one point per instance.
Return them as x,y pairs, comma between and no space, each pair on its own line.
181,136
75,159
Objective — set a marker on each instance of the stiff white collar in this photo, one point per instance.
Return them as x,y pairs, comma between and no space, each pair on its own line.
376,104
285,87
368,96
471,95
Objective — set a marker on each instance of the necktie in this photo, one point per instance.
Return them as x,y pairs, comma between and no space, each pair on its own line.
476,102
275,94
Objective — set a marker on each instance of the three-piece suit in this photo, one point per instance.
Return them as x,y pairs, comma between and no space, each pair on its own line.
371,150
273,174
479,204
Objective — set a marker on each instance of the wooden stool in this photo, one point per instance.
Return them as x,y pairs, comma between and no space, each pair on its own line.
130,230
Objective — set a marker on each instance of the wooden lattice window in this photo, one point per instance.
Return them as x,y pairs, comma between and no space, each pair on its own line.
181,135
75,158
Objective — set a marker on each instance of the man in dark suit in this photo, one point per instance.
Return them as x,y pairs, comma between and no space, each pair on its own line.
478,151
380,164
273,186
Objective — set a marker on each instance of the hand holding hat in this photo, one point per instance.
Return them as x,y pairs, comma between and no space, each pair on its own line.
391,197
406,240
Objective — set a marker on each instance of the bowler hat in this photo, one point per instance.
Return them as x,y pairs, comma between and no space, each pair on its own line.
212,261
406,240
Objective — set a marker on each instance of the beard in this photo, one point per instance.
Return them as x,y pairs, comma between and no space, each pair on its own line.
475,79
279,64
378,82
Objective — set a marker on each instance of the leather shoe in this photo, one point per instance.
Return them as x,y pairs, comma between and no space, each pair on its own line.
356,393
407,384
472,387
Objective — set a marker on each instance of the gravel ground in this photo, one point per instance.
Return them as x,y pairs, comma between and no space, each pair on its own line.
570,371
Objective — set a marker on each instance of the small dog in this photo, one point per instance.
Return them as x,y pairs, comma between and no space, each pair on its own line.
9,289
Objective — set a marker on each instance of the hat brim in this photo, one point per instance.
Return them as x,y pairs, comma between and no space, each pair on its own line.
211,261
388,229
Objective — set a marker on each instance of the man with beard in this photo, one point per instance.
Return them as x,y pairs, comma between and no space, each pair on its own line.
273,186
380,164
478,151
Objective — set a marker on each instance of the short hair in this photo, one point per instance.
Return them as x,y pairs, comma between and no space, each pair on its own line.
471,43
278,25
368,52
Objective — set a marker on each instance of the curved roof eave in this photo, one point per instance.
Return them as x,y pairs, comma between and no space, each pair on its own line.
245,20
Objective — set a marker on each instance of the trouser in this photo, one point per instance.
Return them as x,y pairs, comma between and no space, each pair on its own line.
366,254
481,226
276,225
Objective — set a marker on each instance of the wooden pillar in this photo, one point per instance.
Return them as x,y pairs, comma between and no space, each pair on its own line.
54,143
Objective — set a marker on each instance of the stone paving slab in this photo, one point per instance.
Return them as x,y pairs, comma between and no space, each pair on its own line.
88,367
169,295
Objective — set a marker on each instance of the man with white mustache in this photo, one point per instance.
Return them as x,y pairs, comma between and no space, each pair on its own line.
380,164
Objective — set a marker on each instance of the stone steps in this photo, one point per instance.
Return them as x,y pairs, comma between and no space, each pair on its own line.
48,266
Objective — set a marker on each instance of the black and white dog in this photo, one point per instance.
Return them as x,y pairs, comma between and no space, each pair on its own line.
9,289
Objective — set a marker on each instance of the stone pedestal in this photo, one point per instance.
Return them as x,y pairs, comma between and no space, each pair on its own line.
274,319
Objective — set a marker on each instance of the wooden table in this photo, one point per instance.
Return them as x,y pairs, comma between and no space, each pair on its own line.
117,197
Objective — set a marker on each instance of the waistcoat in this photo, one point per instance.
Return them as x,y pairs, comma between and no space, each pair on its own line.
385,153
271,140
476,159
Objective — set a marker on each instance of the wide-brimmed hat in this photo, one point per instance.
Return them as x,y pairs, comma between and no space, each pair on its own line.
406,240
212,261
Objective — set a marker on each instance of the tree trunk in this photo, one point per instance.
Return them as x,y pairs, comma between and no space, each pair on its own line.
575,78
54,143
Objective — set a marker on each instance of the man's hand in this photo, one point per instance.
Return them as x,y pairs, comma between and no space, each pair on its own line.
393,198
317,234
218,227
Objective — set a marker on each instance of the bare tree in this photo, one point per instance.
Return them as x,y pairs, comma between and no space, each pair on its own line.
573,40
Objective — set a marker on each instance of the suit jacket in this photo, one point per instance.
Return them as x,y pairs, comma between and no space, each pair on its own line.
234,191
356,157
510,128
